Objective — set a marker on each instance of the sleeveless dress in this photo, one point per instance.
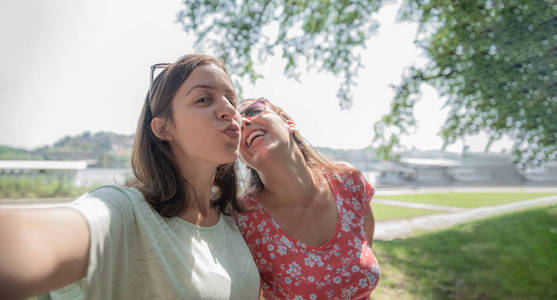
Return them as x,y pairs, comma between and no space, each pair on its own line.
343,268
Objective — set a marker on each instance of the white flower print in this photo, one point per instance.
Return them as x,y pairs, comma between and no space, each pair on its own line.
281,250
357,243
362,282
285,241
342,269
345,226
309,262
356,204
294,269
371,276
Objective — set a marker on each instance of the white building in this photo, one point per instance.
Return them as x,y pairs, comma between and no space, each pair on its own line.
430,170
47,168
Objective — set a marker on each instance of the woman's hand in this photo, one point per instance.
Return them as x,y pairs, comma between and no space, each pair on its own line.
42,249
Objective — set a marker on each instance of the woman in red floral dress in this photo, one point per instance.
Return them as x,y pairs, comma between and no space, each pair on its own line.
308,222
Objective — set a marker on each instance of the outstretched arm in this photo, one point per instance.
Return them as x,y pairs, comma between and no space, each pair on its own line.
42,249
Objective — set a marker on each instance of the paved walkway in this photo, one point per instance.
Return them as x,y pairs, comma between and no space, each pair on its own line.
392,229
457,189
418,205
400,228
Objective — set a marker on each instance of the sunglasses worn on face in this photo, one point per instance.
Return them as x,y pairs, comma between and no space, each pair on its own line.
252,110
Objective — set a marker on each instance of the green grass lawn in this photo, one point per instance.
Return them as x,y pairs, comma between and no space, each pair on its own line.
512,256
386,212
465,200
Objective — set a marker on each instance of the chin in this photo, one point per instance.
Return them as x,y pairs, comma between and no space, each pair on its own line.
229,157
262,154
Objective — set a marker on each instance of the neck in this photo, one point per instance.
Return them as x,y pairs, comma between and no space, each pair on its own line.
288,181
200,176
201,183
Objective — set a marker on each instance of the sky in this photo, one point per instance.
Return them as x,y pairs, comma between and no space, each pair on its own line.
74,66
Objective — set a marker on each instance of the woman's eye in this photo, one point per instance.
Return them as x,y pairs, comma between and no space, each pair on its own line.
250,112
202,100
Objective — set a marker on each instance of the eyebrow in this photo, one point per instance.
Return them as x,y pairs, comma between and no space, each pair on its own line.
209,87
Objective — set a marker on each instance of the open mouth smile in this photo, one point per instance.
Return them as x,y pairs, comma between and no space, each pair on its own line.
253,136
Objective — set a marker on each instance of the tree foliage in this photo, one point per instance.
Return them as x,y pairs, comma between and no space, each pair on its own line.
495,62
323,33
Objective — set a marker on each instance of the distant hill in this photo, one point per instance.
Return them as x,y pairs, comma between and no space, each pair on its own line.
9,153
107,149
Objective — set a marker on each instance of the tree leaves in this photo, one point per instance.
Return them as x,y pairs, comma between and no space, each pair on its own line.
496,62
323,33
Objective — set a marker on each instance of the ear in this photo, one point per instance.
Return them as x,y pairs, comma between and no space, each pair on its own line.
291,126
160,129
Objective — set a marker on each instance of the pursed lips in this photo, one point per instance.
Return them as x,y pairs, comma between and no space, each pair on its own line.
232,130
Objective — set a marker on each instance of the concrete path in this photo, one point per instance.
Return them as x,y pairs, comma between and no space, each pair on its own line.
418,205
456,189
400,228
392,229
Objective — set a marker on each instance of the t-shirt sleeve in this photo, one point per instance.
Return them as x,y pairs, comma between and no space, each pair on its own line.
109,212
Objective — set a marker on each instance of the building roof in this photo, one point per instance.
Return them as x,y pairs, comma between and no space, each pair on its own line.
429,162
42,165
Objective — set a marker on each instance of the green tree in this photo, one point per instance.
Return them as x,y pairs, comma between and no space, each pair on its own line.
496,64
493,61
321,34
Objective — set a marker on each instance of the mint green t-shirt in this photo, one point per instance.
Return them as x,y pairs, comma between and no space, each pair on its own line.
137,254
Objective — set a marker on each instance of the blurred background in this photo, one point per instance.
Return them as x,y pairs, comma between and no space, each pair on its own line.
410,92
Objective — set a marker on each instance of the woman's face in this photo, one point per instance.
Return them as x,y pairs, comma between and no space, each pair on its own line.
205,126
263,136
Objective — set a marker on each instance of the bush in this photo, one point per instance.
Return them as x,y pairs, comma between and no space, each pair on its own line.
38,187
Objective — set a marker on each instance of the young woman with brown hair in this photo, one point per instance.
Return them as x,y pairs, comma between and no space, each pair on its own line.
166,235
307,221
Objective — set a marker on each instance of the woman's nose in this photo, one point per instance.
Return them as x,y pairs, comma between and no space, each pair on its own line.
246,121
226,110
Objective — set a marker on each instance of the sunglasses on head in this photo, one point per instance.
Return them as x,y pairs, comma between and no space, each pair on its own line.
255,108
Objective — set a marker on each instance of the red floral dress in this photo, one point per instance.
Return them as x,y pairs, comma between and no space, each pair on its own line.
343,268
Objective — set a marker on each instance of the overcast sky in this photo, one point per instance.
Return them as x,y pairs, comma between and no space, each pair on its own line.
74,66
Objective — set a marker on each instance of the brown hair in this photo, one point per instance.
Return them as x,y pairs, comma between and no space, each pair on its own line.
315,161
157,175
